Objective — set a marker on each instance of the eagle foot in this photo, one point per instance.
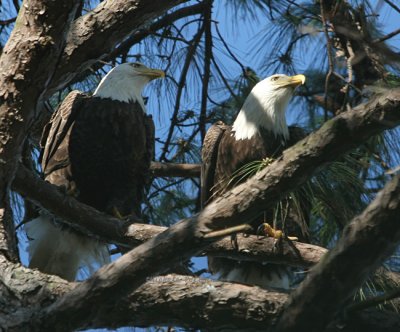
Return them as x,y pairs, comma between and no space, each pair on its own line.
268,230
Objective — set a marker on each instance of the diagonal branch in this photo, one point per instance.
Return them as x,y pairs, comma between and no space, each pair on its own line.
186,238
365,243
116,20
191,51
112,230
165,21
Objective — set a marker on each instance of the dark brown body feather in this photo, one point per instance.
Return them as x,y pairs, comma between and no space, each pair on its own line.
222,156
100,151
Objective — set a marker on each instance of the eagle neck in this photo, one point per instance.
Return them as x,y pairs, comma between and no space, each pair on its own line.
122,88
261,113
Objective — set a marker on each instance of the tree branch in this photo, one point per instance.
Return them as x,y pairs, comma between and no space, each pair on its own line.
26,65
186,238
112,230
175,170
116,20
162,300
365,243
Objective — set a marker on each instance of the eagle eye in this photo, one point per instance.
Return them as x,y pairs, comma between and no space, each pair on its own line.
136,65
274,78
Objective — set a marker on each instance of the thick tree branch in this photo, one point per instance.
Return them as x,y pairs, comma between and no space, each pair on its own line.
26,65
186,238
365,243
112,230
82,217
163,300
116,20
263,250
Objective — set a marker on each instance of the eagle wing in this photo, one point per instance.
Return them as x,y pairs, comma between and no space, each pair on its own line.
54,142
209,155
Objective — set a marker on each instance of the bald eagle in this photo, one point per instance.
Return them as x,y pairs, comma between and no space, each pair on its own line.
97,148
259,131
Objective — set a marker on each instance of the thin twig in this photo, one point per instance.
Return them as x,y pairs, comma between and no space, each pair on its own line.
391,4
189,56
388,36
16,5
228,49
208,55
343,79
222,76
8,21
330,59
162,22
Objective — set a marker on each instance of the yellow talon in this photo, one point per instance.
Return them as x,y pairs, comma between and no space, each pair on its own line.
272,232
275,233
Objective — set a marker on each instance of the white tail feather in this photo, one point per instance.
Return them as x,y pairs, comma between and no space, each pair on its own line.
58,251
277,277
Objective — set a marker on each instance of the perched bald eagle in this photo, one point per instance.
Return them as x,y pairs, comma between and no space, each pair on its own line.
98,148
259,131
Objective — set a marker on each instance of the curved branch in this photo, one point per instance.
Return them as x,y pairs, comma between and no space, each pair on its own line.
116,20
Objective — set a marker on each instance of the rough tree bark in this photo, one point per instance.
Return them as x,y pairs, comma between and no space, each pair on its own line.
184,239
27,64
112,230
37,60
365,243
95,35
165,300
